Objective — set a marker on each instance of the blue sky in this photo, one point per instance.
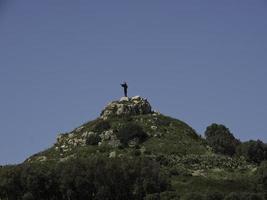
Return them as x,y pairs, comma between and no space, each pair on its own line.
62,61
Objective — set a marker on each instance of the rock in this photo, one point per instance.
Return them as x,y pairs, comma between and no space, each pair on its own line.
138,98
106,135
114,143
127,106
42,158
87,134
71,135
133,143
79,129
142,150
124,99
112,154
60,137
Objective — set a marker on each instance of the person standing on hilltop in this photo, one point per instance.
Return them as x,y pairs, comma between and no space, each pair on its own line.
125,87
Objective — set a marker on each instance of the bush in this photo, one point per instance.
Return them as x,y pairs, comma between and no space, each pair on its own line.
232,196
249,196
221,139
155,196
93,139
193,196
130,131
214,196
28,196
92,178
100,126
169,195
262,176
253,151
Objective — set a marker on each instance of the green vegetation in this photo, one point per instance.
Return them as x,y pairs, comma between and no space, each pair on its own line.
90,178
168,161
131,131
221,139
253,151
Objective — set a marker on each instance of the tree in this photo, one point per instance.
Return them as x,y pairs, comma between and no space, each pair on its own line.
253,151
214,196
232,196
262,176
130,131
221,139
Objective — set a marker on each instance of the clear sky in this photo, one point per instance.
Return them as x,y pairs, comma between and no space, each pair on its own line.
61,62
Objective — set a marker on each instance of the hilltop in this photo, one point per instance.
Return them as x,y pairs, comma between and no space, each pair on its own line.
131,151
124,125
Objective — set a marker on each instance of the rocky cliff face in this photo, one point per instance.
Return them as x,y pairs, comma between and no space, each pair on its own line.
127,106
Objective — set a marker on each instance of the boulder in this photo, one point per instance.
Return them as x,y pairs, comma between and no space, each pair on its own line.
127,106
124,99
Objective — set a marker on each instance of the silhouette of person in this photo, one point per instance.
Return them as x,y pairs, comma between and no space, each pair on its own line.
125,87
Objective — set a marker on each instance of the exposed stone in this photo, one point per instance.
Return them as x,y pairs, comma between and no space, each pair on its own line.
71,135
79,129
138,98
142,150
133,143
42,158
106,135
60,137
114,143
127,106
124,99
87,134
112,154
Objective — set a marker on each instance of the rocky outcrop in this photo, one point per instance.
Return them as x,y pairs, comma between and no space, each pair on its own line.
127,106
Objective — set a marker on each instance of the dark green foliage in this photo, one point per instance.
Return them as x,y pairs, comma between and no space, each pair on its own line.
93,178
262,176
93,139
221,139
233,196
40,180
194,196
243,196
28,196
10,185
155,196
251,196
169,195
100,126
214,196
253,151
130,131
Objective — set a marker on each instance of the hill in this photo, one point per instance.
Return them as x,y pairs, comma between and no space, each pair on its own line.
131,152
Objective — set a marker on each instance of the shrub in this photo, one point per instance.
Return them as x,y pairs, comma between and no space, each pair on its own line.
83,178
251,196
262,176
93,139
214,196
155,196
232,196
221,139
130,131
28,196
193,196
253,151
169,195
101,125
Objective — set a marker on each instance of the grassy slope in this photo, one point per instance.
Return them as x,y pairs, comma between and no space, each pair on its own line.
181,152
